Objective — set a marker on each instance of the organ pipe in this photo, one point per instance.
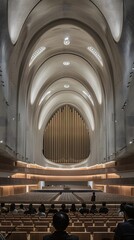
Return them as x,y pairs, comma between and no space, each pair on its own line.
66,137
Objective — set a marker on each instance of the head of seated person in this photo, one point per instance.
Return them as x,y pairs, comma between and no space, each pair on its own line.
52,209
13,207
4,209
42,208
93,209
60,221
64,208
125,230
21,208
73,208
103,208
84,209
128,212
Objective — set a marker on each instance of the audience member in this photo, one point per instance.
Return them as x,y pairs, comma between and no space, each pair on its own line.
52,209
73,208
13,208
93,198
4,209
21,209
103,209
93,209
60,223
64,208
42,210
121,210
31,209
125,230
83,209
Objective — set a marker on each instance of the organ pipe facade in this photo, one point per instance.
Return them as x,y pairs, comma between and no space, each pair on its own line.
66,137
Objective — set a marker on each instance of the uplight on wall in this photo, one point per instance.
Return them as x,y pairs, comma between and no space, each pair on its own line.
36,54
89,96
43,97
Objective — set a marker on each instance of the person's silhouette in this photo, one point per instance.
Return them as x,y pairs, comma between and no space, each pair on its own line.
125,230
60,223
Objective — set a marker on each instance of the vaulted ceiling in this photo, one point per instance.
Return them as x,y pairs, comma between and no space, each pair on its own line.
67,52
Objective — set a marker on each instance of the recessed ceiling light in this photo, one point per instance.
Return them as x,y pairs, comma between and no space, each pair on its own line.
66,63
66,41
66,86
36,54
96,54
1,141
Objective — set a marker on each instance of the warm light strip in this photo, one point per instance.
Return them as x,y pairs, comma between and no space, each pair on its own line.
94,167
96,177
7,186
117,186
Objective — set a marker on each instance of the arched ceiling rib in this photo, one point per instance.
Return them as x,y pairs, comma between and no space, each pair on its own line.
19,10
68,98
113,12
54,67
65,84
80,42
17,14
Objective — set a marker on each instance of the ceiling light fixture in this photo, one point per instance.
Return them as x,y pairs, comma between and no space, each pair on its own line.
66,63
66,86
66,41
96,54
36,54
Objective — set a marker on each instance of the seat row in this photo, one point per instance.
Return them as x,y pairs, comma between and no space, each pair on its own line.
71,224
69,229
82,235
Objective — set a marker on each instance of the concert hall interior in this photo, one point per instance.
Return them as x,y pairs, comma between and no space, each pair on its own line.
67,96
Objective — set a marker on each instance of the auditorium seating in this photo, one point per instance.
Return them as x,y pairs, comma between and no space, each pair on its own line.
103,235
97,229
82,235
88,227
75,229
37,235
18,236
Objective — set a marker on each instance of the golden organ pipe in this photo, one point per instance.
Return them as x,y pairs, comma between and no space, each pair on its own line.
66,138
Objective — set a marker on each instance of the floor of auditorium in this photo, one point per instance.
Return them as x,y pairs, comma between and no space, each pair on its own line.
64,196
